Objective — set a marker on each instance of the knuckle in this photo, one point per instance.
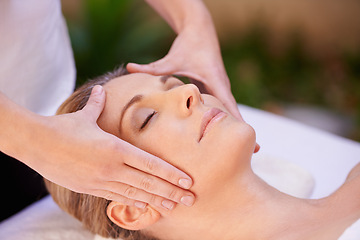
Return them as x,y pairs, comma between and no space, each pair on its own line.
151,164
172,176
147,183
124,200
130,192
129,202
173,194
95,100
152,65
153,199
108,195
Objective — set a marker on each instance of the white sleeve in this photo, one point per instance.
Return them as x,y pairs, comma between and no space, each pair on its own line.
37,67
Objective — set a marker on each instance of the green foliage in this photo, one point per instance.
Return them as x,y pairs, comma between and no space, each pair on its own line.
112,32
260,77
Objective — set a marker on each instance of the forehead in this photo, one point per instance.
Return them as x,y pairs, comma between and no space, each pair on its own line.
118,93
131,84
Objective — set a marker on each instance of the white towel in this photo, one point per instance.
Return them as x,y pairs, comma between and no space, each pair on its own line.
283,175
43,220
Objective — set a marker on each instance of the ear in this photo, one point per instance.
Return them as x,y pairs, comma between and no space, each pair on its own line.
130,217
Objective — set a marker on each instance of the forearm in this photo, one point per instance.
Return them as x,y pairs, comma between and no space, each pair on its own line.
181,14
18,127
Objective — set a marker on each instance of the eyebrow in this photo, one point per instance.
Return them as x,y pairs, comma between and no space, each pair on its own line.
132,101
137,98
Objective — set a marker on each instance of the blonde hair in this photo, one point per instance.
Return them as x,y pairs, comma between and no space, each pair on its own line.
88,209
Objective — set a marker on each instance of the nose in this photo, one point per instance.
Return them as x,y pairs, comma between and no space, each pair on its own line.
188,97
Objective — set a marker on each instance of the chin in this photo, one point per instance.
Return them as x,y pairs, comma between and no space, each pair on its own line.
226,153
233,149
242,145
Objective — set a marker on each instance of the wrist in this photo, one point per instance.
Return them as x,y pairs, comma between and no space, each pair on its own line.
182,14
20,130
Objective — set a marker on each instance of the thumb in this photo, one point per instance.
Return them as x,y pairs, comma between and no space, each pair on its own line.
233,109
160,67
229,102
95,104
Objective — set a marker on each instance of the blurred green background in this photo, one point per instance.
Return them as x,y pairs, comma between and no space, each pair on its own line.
275,70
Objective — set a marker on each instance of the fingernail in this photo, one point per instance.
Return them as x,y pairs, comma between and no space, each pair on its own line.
97,89
187,200
185,183
140,204
167,204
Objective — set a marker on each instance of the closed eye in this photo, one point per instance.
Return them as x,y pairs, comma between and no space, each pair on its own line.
148,118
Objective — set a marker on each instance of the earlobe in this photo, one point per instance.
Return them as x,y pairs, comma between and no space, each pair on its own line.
130,217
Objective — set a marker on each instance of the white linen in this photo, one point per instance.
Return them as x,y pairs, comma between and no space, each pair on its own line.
328,157
37,68
283,175
43,220
280,139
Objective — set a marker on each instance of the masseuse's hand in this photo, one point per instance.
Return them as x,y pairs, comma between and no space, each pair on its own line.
195,53
88,160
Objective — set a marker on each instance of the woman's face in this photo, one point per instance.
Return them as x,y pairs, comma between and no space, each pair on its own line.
173,121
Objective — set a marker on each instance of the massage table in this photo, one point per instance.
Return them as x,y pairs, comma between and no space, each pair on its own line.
295,158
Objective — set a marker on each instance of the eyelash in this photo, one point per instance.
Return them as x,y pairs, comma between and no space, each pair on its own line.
147,119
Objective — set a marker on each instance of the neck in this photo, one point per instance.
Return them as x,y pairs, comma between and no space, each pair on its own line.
251,209
259,211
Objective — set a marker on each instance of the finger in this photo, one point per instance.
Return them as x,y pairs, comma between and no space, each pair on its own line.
160,67
139,195
112,196
232,107
95,104
201,86
156,186
148,163
229,102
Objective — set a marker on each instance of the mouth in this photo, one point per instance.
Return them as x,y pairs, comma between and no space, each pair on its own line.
211,117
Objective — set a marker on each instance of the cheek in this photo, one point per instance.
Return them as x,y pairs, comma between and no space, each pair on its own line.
225,158
173,143
211,164
237,145
244,144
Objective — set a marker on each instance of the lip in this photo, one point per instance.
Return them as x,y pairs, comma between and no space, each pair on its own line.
210,117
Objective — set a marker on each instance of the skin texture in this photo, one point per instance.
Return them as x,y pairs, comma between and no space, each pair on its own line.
72,151
198,58
105,178
170,101
229,196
